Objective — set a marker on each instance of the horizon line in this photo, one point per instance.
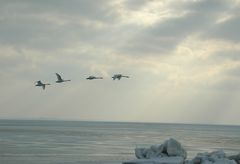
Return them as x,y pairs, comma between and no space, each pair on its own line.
112,121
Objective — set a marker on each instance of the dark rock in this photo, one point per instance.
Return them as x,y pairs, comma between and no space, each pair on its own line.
235,158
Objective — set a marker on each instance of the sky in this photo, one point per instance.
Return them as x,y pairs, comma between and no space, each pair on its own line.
182,56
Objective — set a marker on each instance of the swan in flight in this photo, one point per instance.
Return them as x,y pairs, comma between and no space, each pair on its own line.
118,76
93,77
40,84
59,79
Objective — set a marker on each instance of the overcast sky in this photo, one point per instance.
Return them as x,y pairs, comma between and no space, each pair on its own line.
182,56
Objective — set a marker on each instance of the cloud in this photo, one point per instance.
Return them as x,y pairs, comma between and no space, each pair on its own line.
58,24
226,30
184,52
227,23
94,10
207,7
233,72
162,38
232,55
135,4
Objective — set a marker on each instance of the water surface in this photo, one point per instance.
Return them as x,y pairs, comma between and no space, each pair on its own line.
74,142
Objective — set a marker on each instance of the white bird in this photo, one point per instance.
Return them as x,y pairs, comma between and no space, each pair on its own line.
118,76
59,79
40,84
93,77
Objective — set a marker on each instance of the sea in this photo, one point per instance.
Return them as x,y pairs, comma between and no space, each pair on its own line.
83,142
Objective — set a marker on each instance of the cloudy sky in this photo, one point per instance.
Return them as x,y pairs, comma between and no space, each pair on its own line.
183,58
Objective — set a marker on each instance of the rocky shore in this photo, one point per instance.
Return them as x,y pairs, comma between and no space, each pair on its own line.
172,152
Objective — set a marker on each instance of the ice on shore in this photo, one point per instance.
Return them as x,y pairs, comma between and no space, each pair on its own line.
216,157
171,152
163,160
235,158
170,148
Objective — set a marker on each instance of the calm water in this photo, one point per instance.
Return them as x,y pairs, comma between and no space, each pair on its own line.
75,142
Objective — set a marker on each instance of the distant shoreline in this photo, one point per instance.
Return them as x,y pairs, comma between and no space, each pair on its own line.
120,122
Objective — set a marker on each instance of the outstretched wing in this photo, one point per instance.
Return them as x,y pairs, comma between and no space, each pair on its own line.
59,77
38,82
92,77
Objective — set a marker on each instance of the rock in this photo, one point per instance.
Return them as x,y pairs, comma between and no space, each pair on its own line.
157,148
171,152
218,154
169,148
148,153
236,158
216,157
163,160
174,148
140,153
224,161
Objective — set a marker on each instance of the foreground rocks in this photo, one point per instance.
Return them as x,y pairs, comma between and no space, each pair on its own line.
172,152
170,148
236,158
163,160
216,157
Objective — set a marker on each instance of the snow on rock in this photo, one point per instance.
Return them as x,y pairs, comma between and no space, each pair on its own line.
170,148
174,148
216,157
163,160
171,152
235,158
